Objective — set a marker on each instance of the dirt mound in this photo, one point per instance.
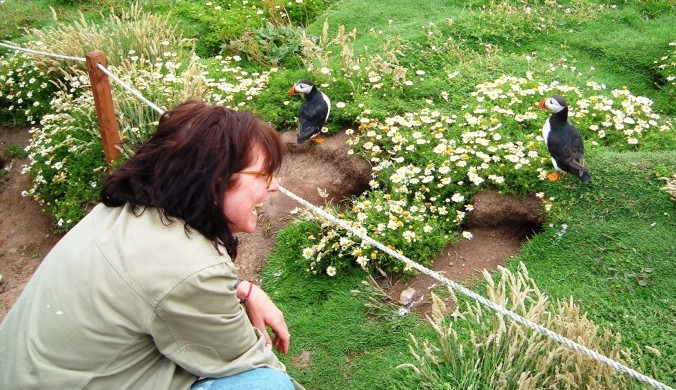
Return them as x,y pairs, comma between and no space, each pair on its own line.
500,224
306,169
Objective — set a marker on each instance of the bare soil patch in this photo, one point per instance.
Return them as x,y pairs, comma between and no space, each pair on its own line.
500,224
25,227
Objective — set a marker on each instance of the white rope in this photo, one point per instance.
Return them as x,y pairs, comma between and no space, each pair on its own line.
131,89
515,317
103,69
540,329
10,46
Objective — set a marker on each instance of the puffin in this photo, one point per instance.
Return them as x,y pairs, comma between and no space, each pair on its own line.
314,112
563,141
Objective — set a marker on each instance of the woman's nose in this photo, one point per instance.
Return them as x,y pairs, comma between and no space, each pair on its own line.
274,185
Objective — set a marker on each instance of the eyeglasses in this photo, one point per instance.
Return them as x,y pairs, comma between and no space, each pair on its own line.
268,176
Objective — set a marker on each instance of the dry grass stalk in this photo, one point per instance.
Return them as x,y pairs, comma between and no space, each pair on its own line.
132,33
317,57
277,14
506,355
670,188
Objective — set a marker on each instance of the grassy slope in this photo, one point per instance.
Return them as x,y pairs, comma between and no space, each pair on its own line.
624,54
622,230
23,15
328,318
609,246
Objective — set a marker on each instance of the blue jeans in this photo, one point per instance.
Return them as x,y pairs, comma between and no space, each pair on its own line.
257,379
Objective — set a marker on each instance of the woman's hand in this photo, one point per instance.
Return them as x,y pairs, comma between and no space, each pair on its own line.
264,313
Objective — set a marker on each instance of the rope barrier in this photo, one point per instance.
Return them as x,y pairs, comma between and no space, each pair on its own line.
103,69
435,275
515,317
17,48
131,89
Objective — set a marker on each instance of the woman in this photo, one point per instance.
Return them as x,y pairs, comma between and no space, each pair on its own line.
143,293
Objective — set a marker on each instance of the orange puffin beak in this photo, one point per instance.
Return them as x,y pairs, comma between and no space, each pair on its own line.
541,105
292,91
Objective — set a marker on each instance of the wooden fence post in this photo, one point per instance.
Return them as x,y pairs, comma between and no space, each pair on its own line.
103,100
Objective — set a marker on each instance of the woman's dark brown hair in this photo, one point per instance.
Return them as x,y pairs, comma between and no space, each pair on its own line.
185,167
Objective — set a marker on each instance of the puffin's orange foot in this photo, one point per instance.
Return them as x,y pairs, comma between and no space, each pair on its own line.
318,139
554,176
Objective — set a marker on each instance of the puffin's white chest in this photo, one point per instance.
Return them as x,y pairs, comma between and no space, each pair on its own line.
328,104
545,131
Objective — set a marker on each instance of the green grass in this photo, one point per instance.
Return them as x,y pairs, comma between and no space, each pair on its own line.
615,259
15,150
23,15
622,48
399,20
329,319
617,256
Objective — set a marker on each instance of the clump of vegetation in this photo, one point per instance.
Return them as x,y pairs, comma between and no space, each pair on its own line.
25,90
508,23
670,187
428,164
66,159
217,24
15,151
666,69
477,348
134,32
271,45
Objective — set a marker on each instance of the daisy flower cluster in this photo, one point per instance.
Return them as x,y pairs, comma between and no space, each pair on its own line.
231,85
66,159
426,170
24,89
666,67
400,223
169,80
615,118
618,120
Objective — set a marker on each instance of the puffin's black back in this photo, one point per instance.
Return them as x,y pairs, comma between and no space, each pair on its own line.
312,115
565,144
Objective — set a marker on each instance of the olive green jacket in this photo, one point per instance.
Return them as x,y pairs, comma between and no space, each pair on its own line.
128,301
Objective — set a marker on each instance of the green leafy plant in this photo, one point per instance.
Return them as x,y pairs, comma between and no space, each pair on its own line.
271,45
216,23
15,151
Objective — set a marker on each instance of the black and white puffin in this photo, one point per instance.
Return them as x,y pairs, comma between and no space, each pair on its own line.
563,140
314,112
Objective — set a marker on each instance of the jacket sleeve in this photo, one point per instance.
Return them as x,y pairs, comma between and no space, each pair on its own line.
201,326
